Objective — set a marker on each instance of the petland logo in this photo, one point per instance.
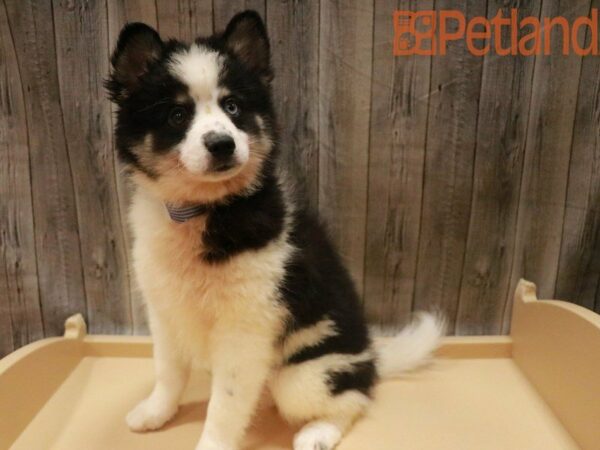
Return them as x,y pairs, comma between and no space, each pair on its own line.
429,32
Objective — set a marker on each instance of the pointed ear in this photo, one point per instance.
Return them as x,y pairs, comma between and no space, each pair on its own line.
246,37
138,47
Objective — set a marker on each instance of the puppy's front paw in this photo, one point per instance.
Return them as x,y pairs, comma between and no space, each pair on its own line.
149,415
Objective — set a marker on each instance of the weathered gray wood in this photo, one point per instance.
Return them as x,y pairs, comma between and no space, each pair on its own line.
7,343
223,11
20,313
399,108
547,155
451,136
579,264
501,130
10,84
55,216
123,11
119,13
82,60
185,19
296,86
345,61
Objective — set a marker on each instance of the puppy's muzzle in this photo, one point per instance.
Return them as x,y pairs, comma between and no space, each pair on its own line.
221,147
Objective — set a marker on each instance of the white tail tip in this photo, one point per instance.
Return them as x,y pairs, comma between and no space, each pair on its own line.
412,347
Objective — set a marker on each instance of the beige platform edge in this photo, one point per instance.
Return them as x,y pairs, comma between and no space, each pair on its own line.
555,344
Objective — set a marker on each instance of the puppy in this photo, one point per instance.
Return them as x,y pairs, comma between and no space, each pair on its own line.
238,274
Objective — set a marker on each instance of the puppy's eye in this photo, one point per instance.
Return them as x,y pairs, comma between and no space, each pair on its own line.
178,116
232,108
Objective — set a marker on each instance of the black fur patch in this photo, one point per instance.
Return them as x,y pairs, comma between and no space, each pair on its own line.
335,344
317,285
361,377
244,223
145,110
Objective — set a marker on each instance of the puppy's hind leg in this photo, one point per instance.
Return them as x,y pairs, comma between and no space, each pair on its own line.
171,377
327,394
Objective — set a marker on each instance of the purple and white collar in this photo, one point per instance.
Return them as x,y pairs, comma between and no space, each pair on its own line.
181,214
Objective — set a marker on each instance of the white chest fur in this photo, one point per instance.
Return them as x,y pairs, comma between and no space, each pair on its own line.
197,302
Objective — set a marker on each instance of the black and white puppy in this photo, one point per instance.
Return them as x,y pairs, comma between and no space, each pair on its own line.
237,273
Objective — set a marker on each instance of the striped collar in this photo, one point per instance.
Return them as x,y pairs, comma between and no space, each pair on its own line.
181,214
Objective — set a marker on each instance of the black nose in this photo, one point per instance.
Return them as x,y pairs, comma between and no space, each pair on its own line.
219,145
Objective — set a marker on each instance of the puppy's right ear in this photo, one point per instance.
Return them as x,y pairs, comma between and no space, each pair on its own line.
138,47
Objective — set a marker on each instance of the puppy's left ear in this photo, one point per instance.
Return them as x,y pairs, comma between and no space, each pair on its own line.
246,37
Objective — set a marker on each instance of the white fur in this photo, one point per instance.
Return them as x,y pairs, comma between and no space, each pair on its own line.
318,436
225,317
171,376
301,394
308,337
412,347
199,69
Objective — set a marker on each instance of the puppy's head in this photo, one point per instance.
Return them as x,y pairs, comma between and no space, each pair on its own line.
195,121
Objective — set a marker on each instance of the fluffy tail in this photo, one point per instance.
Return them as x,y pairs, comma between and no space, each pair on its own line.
412,347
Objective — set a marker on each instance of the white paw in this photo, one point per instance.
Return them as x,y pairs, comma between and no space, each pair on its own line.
317,436
149,415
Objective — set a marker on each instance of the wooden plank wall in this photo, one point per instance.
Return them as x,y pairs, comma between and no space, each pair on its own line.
443,179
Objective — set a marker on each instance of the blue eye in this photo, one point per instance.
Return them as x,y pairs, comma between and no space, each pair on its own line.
178,116
232,108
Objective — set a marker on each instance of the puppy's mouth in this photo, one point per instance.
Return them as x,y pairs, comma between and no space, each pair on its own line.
223,166
222,170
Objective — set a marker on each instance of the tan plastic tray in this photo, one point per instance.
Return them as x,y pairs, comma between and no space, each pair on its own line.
538,389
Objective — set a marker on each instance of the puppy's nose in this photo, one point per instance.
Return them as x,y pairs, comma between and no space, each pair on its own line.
219,144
